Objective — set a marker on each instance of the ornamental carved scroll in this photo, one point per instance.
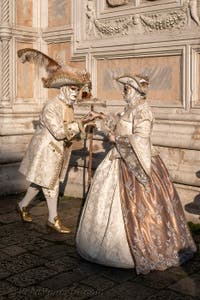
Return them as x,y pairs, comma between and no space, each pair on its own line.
114,3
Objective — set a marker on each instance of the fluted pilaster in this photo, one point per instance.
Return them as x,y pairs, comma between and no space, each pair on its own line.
5,11
5,84
5,36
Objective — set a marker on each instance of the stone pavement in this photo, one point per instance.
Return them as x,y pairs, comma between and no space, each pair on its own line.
36,264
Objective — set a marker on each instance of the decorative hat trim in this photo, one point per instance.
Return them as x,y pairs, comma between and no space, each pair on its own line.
138,82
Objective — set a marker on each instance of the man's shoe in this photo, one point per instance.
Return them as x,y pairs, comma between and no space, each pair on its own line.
58,226
24,214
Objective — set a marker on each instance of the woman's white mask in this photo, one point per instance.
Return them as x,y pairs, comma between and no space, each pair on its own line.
130,94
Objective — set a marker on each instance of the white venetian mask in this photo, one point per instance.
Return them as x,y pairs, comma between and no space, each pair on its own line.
130,94
69,93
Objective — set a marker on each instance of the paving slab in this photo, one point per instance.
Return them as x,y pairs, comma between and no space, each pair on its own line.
170,295
128,291
31,276
4,274
8,218
22,263
188,286
99,283
63,264
119,275
64,279
13,250
74,292
6,288
159,279
52,252
29,293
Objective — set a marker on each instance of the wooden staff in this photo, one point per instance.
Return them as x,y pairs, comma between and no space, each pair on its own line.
91,135
91,103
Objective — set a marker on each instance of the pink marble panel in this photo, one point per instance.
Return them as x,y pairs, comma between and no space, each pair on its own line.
25,76
24,12
164,73
59,13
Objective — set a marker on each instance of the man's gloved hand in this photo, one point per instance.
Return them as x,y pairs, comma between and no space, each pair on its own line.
92,115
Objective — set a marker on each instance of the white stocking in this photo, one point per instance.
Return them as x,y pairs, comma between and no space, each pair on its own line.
52,201
31,192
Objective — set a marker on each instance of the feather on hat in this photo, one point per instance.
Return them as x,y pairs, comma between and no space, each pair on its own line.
58,76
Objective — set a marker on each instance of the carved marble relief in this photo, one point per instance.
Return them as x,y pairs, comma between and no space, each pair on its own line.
165,21
114,3
194,6
135,23
59,12
97,28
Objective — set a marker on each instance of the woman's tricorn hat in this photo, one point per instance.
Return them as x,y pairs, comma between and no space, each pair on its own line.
58,75
139,82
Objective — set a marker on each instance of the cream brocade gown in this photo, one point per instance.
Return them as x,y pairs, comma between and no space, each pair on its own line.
127,220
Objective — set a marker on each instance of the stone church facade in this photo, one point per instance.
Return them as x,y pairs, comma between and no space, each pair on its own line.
159,38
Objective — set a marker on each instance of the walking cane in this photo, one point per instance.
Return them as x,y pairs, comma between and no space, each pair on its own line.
90,104
91,135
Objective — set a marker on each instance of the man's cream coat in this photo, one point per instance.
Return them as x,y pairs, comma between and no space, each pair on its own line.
48,153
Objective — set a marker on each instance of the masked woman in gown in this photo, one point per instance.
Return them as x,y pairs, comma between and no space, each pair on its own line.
133,217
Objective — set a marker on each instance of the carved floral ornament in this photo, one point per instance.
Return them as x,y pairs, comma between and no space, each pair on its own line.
170,20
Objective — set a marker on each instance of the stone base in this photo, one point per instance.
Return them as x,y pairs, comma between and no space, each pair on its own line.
11,181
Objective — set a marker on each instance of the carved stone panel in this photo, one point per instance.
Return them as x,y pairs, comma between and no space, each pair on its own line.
144,22
114,3
198,79
157,2
194,6
24,12
25,77
164,73
59,13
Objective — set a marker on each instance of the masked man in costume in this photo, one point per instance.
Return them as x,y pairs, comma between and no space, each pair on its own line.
46,159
